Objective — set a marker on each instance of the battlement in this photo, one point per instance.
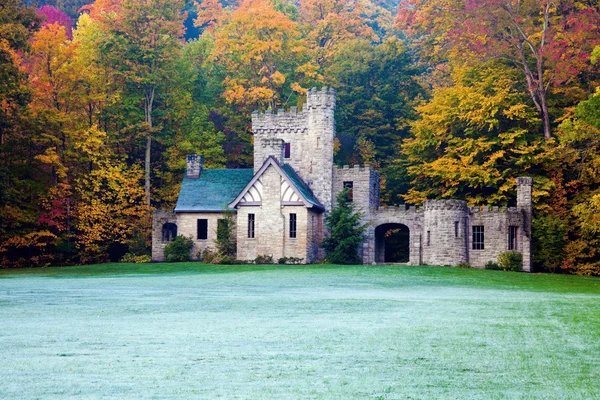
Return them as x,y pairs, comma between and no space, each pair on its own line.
431,205
399,209
490,209
524,181
324,98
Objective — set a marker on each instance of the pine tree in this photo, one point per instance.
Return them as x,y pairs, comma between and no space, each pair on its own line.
346,232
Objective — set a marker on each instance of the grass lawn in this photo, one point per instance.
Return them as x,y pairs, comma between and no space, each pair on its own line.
296,332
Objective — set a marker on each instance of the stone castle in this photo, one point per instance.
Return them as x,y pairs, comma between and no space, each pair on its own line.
281,203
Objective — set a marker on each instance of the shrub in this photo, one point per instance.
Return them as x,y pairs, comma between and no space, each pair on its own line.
132,258
346,232
263,259
207,255
492,265
510,261
464,265
179,249
226,241
290,260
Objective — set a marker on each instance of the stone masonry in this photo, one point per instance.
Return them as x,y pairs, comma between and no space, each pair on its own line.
440,232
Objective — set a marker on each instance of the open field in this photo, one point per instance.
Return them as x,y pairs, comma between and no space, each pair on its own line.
288,332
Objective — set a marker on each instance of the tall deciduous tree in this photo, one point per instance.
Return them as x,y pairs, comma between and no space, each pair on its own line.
143,38
549,41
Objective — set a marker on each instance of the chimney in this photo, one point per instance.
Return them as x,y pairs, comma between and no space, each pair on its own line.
195,165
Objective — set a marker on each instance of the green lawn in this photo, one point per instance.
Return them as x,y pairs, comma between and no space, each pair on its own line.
190,330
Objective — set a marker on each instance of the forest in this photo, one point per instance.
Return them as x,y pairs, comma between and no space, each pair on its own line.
100,103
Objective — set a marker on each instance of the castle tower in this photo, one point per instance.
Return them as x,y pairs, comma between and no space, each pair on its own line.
445,232
525,207
319,142
301,138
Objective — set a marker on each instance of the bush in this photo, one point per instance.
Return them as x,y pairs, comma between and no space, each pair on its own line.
491,265
510,261
207,255
132,258
290,260
179,249
263,259
464,265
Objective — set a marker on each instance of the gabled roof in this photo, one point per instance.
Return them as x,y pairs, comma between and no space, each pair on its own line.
288,174
212,191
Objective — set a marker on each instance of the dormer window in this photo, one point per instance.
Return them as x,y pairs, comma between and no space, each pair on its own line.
286,150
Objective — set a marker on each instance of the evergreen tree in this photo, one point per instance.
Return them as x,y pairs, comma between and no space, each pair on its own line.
346,232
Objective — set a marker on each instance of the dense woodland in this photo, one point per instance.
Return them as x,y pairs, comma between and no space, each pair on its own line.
99,104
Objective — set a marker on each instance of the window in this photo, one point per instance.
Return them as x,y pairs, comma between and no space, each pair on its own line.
251,226
512,237
202,226
455,229
350,186
286,150
293,226
169,232
478,237
428,238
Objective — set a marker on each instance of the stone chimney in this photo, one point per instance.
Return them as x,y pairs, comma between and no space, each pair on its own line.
195,165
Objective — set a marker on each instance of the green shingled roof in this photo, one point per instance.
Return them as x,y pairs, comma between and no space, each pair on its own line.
299,183
213,190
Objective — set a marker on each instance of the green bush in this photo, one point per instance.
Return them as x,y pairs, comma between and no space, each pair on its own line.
263,259
290,260
179,249
464,265
207,255
491,265
510,261
133,258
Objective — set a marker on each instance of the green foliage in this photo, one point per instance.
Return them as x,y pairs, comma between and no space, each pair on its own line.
510,261
345,232
263,259
290,260
549,241
464,265
136,259
226,235
492,265
179,249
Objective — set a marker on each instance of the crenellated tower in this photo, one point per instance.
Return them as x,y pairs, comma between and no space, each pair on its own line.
301,138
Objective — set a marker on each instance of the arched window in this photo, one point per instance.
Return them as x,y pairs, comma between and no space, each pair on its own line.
169,232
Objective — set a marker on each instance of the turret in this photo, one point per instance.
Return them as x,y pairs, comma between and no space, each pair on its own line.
445,231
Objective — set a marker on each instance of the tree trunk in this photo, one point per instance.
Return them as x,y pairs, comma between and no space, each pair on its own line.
148,102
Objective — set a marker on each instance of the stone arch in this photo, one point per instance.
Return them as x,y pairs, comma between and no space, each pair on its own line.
392,243
409,217
169,232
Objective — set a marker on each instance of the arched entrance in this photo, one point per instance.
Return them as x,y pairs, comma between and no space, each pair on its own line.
392,243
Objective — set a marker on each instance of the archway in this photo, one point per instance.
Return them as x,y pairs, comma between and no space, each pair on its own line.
392,243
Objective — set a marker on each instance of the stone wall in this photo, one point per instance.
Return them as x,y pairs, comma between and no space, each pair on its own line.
159,218
410,216
187,225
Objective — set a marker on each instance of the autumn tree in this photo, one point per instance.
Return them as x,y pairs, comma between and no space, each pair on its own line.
549,41
473,139
142,39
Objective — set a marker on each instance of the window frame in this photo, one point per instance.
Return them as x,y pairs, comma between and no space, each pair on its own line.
478,237
251,226
513,234
198,236
287,150
293,226
350,186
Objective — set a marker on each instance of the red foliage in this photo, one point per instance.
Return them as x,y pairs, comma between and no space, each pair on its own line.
52,15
